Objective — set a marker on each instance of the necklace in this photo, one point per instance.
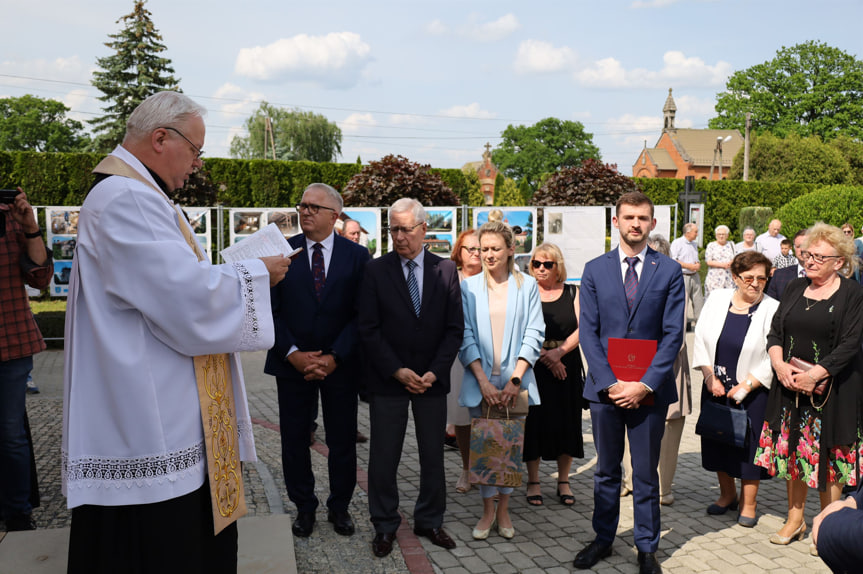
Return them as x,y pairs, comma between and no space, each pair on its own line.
746,307
814,302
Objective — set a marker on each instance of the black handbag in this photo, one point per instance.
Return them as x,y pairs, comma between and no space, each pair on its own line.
723,423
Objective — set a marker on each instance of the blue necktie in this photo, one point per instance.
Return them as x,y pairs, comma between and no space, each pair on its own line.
413,287
630,282
318,273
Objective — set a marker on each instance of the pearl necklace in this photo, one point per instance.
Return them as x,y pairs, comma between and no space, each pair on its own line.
746,308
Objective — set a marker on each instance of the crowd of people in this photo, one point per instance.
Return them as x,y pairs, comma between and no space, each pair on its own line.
151,468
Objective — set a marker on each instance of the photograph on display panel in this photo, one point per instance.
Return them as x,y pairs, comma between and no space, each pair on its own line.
440,230
287,220
61,224
521,219
244,222
369,219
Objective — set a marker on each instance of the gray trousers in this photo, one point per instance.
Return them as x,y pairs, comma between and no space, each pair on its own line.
692,285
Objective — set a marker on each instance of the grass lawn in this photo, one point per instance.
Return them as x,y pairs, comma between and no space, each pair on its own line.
48,305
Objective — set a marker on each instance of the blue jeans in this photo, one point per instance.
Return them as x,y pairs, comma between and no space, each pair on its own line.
14,448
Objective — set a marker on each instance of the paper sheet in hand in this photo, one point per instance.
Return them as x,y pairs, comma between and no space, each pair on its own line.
262,243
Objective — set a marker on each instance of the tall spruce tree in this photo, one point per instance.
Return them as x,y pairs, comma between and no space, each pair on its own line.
127,77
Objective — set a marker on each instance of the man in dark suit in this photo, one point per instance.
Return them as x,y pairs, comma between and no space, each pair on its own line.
411,326
314,311
632,292
837,531
782,277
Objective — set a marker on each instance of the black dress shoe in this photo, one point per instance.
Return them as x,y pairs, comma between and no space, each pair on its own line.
342,522
382,545
592,553
304,524
20,522
437,536
648,564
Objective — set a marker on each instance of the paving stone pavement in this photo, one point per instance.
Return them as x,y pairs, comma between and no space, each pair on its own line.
547,537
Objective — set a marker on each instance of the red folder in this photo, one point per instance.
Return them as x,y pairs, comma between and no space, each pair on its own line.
629,359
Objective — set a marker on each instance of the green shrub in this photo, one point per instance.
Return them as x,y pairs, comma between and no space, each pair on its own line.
834,204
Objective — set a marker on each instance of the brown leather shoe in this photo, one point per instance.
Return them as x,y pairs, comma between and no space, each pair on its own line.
437,536
382,545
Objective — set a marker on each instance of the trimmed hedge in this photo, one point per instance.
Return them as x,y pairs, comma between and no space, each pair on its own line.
834,204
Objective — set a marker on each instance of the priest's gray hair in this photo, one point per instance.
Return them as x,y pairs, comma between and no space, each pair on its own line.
162,109
334,195
408,204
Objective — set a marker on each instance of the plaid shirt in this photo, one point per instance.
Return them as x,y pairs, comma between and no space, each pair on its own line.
19,335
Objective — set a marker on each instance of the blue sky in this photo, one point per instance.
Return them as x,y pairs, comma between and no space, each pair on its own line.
433,81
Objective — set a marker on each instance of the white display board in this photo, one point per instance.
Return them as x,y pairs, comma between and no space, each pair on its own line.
579,232
199,219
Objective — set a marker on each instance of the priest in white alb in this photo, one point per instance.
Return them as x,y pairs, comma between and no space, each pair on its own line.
155,417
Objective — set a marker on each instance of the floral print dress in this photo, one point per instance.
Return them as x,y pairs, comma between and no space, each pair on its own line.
718,278
794,452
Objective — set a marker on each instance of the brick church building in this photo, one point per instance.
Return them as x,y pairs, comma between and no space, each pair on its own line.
683,152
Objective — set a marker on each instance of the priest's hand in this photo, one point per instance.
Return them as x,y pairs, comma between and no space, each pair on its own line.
277,266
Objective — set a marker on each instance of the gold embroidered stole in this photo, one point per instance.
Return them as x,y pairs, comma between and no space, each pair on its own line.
215,394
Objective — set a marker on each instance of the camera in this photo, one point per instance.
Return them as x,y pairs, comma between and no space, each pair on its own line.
8,195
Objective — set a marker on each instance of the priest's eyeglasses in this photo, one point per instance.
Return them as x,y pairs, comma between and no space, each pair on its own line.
313,208
198,151
817,257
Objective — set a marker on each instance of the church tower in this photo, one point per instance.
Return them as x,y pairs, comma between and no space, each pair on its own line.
668,111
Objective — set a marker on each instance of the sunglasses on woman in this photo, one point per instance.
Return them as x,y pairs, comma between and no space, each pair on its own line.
537,264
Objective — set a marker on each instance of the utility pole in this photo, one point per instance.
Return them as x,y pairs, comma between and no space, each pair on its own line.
268,130
746,147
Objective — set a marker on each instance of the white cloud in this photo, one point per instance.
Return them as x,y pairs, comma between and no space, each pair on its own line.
333,61
678,70
355,123
78,101
469,111
691,107
497,29
407,120
239,101
436,28
536,56
476,29
652,3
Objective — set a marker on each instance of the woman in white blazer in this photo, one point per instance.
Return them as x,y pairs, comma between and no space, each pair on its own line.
731,351
503,336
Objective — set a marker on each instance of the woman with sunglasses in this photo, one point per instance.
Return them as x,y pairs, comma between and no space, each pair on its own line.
812,429
553,427
465,253
503,335
729,349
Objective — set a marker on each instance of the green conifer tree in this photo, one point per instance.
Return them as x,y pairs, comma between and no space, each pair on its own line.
128,76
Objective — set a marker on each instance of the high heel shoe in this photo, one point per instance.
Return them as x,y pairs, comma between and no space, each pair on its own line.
798,534
482,534
507,533
534,499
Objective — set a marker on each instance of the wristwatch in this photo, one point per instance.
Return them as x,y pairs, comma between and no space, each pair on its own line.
748,384
515,381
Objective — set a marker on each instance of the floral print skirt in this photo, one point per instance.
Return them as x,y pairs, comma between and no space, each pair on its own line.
800,461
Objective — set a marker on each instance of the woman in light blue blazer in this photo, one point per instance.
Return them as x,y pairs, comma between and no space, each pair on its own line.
503,336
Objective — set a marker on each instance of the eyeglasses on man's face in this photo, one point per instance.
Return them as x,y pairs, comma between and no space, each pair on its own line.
396,229
312,208
817,257
198,151
536,264
750,279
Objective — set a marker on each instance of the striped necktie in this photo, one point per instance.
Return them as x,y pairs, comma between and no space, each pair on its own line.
413,287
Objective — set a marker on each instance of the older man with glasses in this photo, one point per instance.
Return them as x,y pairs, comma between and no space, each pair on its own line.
411,325
314,310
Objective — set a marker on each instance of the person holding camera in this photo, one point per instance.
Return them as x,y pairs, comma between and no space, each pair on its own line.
24,259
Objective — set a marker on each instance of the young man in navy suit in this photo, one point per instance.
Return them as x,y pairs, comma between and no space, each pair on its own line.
411,325
632,292
314,312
